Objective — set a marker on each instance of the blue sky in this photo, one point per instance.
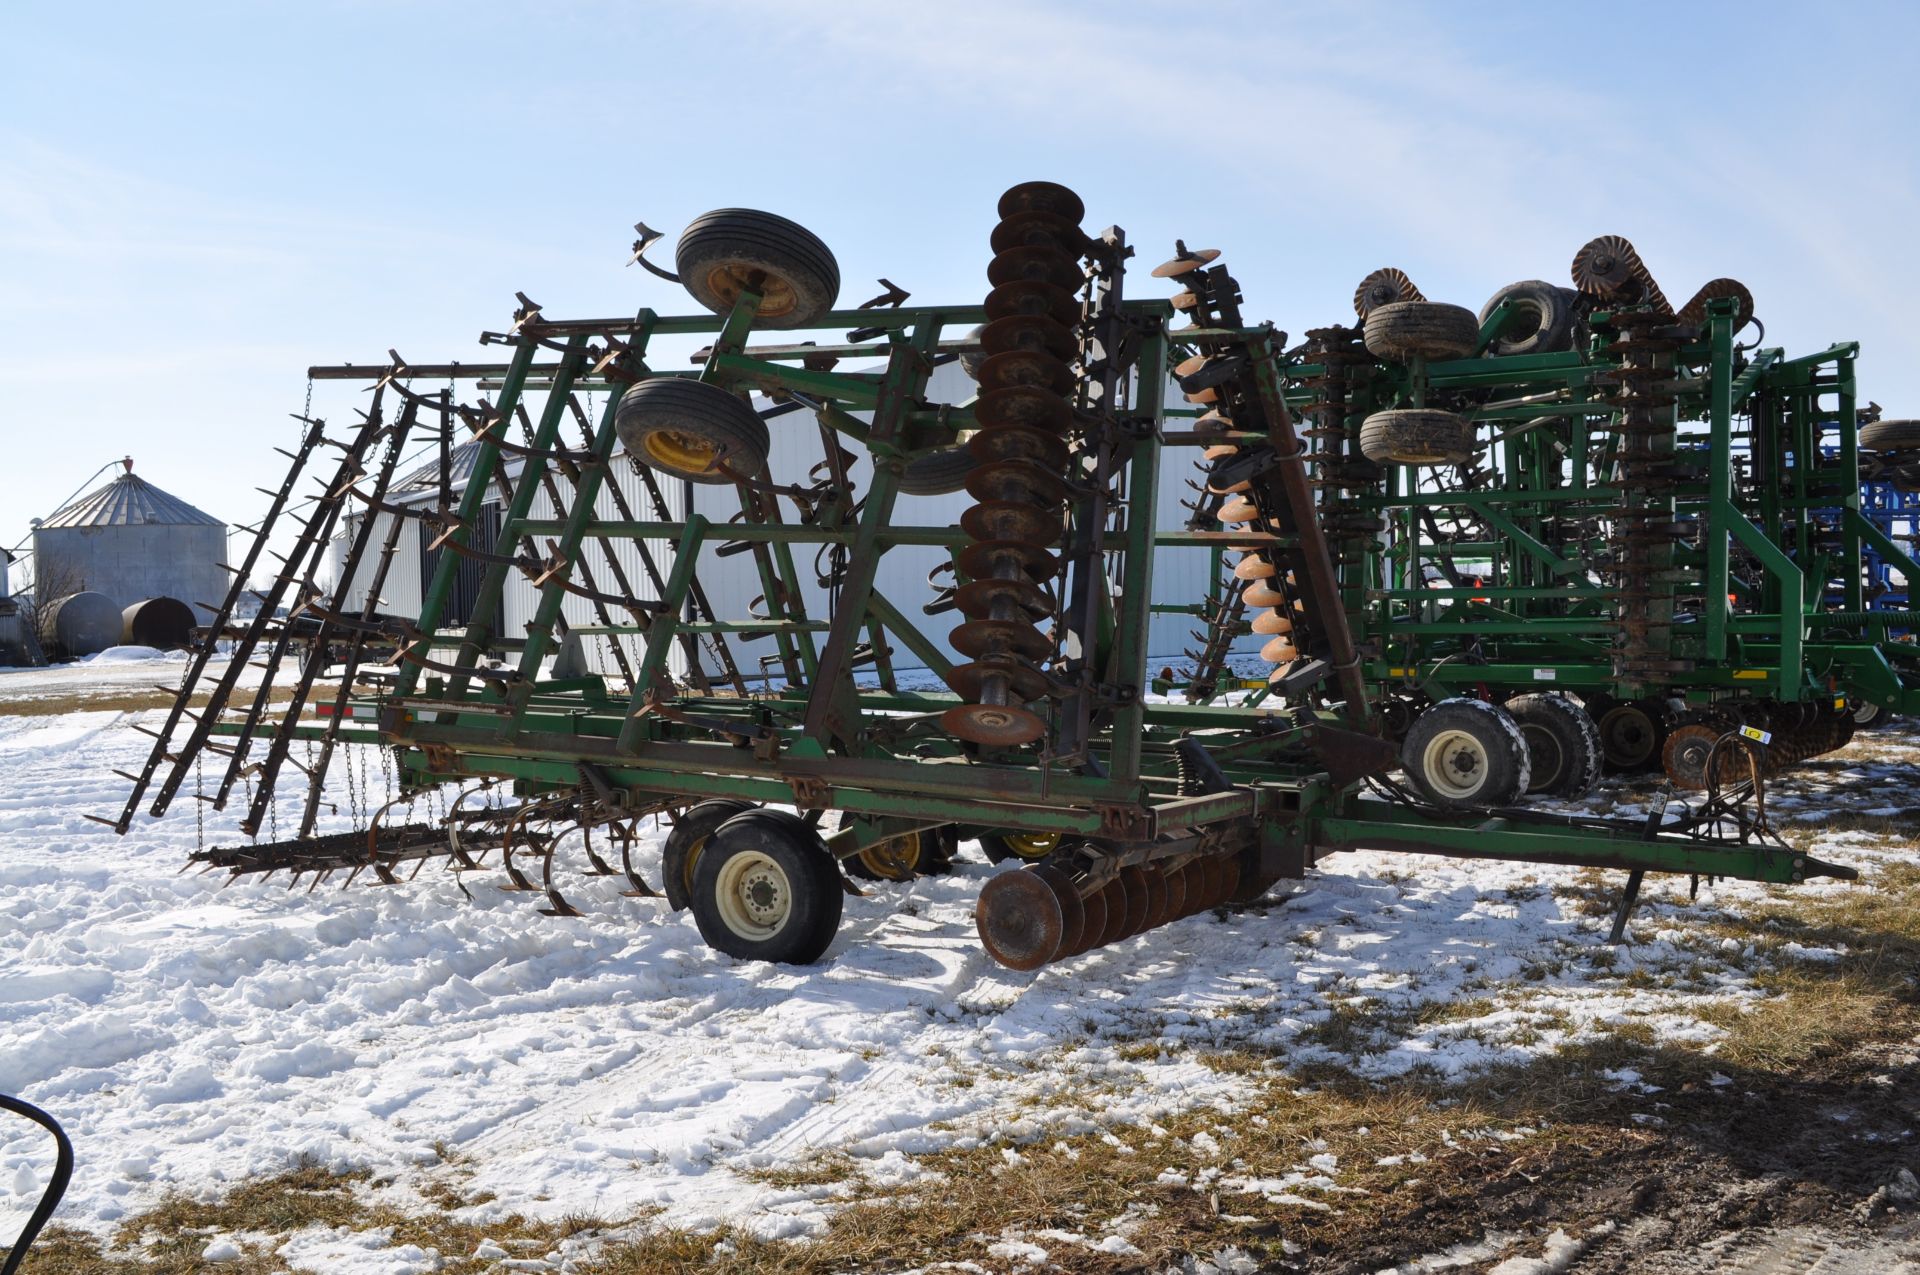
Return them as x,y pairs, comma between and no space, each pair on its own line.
199,200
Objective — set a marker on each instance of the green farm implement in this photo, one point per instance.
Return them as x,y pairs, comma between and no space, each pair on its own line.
612,494
1589,490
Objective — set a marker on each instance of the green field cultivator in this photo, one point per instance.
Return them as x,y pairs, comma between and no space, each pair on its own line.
1590,490
1040,739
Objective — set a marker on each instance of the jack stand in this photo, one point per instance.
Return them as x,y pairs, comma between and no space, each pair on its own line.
1627,899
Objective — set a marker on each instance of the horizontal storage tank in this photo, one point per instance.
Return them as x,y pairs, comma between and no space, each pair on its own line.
79,624
163,623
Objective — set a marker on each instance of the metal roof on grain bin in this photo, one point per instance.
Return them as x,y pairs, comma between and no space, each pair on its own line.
128,501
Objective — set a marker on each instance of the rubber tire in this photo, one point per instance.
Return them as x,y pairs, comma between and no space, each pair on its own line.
1890,436
1615,765
690,831
1551,328
694,409
1870,716
970,363
998,849
1497,734
936,856
748,239
1402,329
1416,436
1563,744
811,873
937,473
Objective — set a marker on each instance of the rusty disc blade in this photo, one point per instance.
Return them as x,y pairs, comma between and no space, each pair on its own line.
1036,368
1024,683
1010,520
1002,559
1156,885
1094,907
1039,229
1239,509
1049,265
1280,651
1028,332
1019,919
1016,480
992,726
1017,598
1024,406
1229,877
1011,442
977,639
1176,894
1261,594
1115,894
1195,260
1139,900
1047,197
1072,913
1033,297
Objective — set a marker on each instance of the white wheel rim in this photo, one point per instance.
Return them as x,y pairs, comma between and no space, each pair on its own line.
753,896
1455,764
1865,713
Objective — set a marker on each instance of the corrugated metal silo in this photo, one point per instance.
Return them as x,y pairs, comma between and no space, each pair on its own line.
130,541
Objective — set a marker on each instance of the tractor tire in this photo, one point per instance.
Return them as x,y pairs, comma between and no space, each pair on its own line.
1416,436
927,852
1890,436
1539,322
1404,330
731,250
765,889
689,429
1563,744
680,857
1465,754
937,473
1023,847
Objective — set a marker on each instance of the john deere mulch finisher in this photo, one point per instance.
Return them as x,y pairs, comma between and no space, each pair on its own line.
1589,489
1124,812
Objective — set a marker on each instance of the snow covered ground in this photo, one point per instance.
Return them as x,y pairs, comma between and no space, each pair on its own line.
191,1037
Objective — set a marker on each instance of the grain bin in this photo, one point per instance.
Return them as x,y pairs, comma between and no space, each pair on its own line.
131,540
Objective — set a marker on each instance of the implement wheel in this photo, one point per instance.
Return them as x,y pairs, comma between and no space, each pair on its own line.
733,250
1871,716
1564,756
765,889
1539,318
1416,436
1028,847
922,853
680,857
690,429
1465,753
1630,737
1403,330
1890,436
938,473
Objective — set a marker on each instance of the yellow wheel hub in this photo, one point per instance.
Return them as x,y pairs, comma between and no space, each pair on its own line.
1032,845
777,297
693,861
682,453
896,858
